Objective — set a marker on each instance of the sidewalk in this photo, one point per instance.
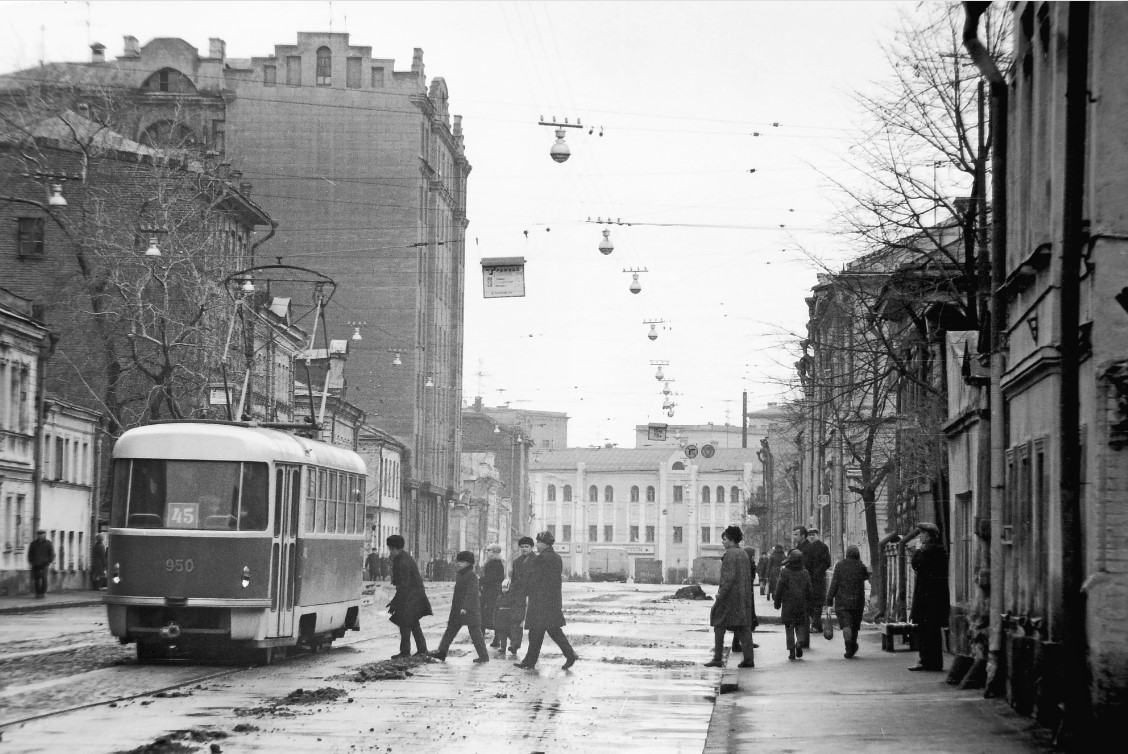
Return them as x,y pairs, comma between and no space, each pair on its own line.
871,703
26,603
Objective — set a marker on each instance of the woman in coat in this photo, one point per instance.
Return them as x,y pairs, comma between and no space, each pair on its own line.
847,595
545,611
930,597
775,565
793,595
493,573
732,610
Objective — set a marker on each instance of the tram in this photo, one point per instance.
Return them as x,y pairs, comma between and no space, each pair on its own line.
233,540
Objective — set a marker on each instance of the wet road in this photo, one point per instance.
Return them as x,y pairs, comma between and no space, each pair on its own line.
639,686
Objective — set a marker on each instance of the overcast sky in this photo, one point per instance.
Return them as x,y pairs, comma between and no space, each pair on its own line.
679,91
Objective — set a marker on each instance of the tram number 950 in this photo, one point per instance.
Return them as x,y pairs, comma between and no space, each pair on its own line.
180,565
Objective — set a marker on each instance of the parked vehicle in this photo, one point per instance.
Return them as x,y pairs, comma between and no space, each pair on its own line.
707,570
228,539
648,571
608,564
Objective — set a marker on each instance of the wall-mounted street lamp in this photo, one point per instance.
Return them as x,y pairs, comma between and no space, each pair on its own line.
429,382
154,250
57,199
248,287
397,361
356,329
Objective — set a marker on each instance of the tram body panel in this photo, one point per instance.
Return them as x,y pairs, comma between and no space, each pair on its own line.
329,571
185,567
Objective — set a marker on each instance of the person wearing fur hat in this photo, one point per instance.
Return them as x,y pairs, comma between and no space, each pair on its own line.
465,610
793,595
545,612
519,585
930,597
732,609
493,573
847,595
410,602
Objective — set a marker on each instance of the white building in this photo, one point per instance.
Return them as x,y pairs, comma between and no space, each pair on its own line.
654,503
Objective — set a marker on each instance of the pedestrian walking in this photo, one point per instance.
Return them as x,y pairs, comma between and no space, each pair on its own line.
754,621
508,616
40,556
930,597
732,610
775,567
410,603
847,595
545,611
493,573
793,595
465,610
817,562
762,573
519,575
98,564
371,566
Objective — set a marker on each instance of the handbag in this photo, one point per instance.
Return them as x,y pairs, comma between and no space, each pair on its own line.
828,626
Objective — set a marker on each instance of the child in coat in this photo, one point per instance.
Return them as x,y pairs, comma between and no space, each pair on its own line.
793,593
465,610
509,615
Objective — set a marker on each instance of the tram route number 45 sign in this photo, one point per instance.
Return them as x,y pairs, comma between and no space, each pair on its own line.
503,277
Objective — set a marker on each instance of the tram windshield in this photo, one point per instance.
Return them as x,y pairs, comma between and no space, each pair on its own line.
161,494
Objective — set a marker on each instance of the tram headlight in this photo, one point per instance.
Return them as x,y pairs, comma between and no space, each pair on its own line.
116,578
246,576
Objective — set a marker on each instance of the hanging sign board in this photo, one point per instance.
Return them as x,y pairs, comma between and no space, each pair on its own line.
503,277
656,432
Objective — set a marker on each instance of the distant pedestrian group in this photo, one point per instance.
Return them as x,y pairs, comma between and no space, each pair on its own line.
530,595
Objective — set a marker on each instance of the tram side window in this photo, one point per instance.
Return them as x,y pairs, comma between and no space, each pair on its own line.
253,509
343,527
330,501
311,499
120,499
319,522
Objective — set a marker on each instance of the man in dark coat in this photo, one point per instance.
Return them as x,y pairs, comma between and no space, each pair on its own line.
465,610
930,597
817,562
799,542
732,610
793,596
775,565
847,595
545,612
762,572
98,564
40,556
736,646
519,585
493,573
410,603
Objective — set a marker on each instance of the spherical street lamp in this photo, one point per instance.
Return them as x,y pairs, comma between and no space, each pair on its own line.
605,246
560,151
635,285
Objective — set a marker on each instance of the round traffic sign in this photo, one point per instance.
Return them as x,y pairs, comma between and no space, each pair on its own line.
691,451
707,451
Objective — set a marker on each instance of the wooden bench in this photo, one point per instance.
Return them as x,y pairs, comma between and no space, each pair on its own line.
889,632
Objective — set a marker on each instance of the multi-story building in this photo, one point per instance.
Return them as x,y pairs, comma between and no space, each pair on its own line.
365,169
543,429
652,503
505,449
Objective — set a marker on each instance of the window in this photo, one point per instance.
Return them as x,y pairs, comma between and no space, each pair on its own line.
634,494
552,493
567,493
705,535
219,136
352,73
634,533
169,80
608,533
677,493
324,66
58,458
734,494
269,75
720,495
678,466
608,494
593,533
705,495
294,70
29,236
649,533
650,494
551,529
566,533
158,494
677,535
593,494
377,77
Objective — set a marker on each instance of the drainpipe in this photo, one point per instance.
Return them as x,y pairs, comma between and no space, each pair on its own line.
46,350
996,669
1076,721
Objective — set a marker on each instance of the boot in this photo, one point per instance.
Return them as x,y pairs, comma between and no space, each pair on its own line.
716,662
791,653
799,651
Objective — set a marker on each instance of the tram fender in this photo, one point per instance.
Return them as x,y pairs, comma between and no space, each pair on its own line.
249,624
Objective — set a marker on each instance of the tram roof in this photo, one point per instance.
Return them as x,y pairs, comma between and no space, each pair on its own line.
209,441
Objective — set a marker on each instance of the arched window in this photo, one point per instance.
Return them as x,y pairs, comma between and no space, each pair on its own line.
678,466
705,494
720,494
634,494
734,494
170,81
567,493
593,494
552,493
650,494
608,494
324,66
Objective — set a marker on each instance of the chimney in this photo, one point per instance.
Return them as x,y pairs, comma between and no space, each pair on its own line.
132,49
478,404
417,63
217,48
97,53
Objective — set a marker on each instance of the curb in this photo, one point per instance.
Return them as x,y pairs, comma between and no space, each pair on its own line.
43,607
722,720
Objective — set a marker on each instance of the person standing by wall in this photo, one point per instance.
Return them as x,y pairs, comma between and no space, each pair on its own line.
40,556
465,610
847,595
493,573
930,597
817,562
732,609
793,595
98,563
519,577
545,612
410,603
